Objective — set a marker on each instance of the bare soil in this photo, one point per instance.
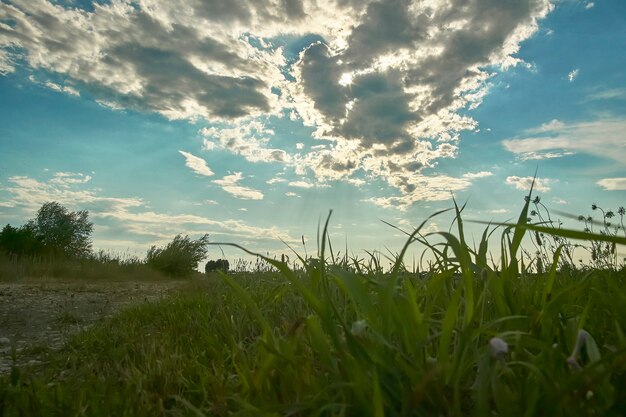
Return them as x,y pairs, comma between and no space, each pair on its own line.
36,318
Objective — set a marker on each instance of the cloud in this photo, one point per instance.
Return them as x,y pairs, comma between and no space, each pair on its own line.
524,183
66,179
384,85
422,188
560,201
475,175
571,76
613,184
499,211
537,156
603,137
589,5
609,94
389,99
110,105
155,56
65,89
409,227
300,184
197,165
248,138
230,184
275,180
6,63
291,194
28,194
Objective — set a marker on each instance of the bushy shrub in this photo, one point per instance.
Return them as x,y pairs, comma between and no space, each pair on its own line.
64,232
219,265
180,257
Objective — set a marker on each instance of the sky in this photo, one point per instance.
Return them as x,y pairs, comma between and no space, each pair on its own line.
250,119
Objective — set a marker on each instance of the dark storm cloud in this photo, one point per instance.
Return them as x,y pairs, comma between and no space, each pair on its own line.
385,27
223,10
320,77
380,112
131,59
487,25
294,9
328,162
171,80
408,68
185,40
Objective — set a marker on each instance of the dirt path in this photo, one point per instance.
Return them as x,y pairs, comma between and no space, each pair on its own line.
35,318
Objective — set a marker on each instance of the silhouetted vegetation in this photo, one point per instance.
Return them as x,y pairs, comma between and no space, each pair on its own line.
218,265
20,241
180,257
58,243
55,232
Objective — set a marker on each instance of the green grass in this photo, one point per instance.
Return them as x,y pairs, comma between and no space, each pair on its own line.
99,267
344,338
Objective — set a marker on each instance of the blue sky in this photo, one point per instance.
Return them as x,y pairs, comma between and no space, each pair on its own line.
250,120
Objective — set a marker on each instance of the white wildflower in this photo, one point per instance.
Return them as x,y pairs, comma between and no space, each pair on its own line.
498,347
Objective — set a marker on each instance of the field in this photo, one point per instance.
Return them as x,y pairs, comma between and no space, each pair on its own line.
343,337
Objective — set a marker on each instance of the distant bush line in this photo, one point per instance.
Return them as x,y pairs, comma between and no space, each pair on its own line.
58,243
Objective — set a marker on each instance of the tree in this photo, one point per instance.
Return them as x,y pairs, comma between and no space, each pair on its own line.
20,241
63,232
180,257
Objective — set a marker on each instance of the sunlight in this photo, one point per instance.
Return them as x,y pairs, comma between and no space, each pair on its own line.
346,79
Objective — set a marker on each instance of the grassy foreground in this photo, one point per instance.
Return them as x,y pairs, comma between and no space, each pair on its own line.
345,339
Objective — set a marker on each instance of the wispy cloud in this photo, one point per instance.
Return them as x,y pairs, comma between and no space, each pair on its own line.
560,201
66,179
131,213
589,5
7,65
571,76
275,180
248,138
436,188
538,156
62,89
608,94
230,184
613,184
475,175
603,137
300,184
524,183
68,189
196,164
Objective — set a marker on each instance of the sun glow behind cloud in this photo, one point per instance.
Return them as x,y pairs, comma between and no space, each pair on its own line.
384,89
